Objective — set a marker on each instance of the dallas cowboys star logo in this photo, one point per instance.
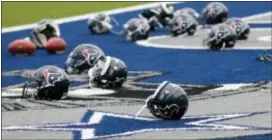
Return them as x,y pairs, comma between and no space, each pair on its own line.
96,125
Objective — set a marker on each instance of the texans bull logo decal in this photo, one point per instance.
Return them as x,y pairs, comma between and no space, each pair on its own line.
85,54
90,55
52,76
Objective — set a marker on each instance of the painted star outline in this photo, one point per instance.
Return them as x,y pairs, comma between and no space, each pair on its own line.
96,125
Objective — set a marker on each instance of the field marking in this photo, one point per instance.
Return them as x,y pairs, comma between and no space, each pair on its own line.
169,46
95,119
86,16
259,22
251,18
17,92
265,38
147,43
231,86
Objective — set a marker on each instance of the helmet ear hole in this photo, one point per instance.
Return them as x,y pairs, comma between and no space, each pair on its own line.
25,91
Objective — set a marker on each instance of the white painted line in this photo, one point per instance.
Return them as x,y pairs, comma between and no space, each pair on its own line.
90,132
227,127
147,43
231,86
10,94
261,29
17,92
252,17
96,118
87,133
259,22
89,92
265,38
86,16
204,124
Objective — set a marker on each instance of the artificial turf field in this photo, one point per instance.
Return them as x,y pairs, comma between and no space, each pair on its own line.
220,106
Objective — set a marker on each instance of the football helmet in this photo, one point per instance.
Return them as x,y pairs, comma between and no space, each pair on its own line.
158,16
82,58
214,13
47,83
108,72
167,8
166,14
43,31
220,36
181,24
152,16
136,29
101,23
242,28
169,102
188,11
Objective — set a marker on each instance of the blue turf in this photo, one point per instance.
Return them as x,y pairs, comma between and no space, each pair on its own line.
187,66
267,136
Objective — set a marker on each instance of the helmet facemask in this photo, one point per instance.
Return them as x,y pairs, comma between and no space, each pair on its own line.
216,36
168,9
99,69
210,40
241,28
49,28
30,89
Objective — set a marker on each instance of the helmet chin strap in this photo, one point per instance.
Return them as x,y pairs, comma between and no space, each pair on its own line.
28,92
115,21
141,109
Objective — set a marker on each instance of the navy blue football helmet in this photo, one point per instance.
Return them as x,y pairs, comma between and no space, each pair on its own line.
219,37
136,29
82,58
242,28
42,32
214,13
47,83
181,24
188,11
101,23
108,72
169,102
